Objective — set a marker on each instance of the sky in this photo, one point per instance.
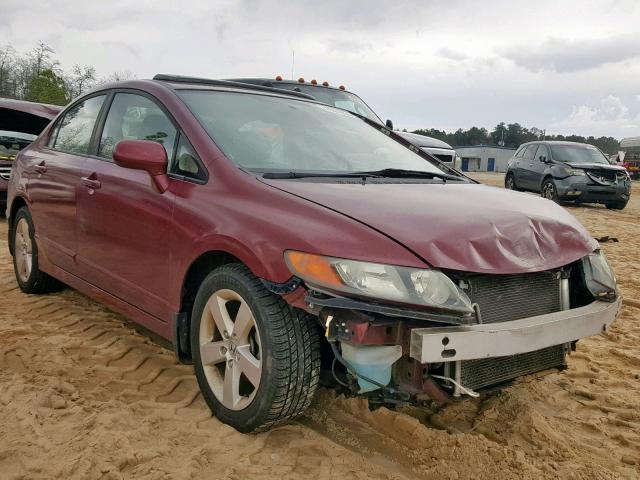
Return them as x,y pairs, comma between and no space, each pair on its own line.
565,66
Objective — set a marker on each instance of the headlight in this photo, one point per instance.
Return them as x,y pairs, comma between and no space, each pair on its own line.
599,276
573,171
429,288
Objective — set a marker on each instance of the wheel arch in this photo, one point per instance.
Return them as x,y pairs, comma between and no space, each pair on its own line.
545,177
16,204
198,270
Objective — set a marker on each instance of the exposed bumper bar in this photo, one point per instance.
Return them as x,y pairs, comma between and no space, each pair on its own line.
446,344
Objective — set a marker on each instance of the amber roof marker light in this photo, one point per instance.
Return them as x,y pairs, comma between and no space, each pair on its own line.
325,84
279,78
341,87
314,82
301,80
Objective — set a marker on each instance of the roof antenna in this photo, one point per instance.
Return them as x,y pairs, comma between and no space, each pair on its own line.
293,61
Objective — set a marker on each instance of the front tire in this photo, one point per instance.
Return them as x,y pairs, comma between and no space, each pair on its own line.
256,359
549,191
25,257
616,205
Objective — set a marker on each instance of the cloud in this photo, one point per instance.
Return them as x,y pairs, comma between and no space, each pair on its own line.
450,54
574,55
347,46
609,114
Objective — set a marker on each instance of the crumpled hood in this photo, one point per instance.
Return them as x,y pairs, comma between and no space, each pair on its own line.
467,227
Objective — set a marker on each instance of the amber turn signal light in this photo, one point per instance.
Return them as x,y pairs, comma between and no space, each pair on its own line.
314,268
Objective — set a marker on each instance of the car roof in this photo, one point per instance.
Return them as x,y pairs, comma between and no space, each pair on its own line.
558,142
179,81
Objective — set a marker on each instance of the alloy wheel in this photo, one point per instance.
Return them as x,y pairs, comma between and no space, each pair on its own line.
511,185
23,250
548,191
230,349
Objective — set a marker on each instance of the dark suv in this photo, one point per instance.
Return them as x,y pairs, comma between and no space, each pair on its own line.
568,171
272,237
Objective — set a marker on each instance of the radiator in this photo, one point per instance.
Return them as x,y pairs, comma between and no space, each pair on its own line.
502,298
476,374
510,297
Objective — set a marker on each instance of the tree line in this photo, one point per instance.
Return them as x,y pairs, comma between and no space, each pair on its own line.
513,135
37,76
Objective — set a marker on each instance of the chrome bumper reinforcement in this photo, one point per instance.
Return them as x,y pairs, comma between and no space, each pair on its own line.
447,344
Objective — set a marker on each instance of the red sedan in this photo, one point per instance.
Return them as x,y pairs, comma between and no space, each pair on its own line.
270,236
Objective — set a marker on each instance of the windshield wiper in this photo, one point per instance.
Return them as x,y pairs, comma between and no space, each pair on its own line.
402,173
287,175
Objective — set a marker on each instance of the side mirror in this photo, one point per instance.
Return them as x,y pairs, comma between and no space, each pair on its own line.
389,124
543,159
144,155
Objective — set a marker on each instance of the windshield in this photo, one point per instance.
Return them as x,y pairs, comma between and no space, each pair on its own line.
12,142
336,98
273,134
577,154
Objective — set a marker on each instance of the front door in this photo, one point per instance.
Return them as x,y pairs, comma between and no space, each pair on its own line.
123,221
54,179
491,164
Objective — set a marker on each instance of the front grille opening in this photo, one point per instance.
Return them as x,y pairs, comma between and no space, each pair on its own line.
503,298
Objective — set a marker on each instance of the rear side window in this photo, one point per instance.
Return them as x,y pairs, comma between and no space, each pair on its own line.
74,131
530,151
134,117
520,152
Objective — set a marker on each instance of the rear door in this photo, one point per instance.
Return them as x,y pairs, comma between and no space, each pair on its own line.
54,179
539,167
123,221
526,176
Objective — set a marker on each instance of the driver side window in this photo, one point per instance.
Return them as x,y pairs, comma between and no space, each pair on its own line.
542,151
134,117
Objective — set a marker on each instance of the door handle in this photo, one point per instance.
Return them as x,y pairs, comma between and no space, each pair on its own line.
91,183
41,167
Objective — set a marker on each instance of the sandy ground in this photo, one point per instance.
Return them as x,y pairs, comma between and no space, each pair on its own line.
83,395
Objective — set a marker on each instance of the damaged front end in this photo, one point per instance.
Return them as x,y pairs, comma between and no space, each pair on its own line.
404,333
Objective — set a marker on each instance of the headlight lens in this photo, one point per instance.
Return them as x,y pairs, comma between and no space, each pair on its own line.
599,276
573,171
415,286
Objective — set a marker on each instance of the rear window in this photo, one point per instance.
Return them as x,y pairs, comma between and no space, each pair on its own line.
73,132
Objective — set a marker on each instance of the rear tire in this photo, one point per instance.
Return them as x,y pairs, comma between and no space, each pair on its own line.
25,257
510,182
616,205
549,191
262,369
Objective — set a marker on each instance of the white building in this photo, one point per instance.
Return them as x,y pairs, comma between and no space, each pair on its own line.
484,158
